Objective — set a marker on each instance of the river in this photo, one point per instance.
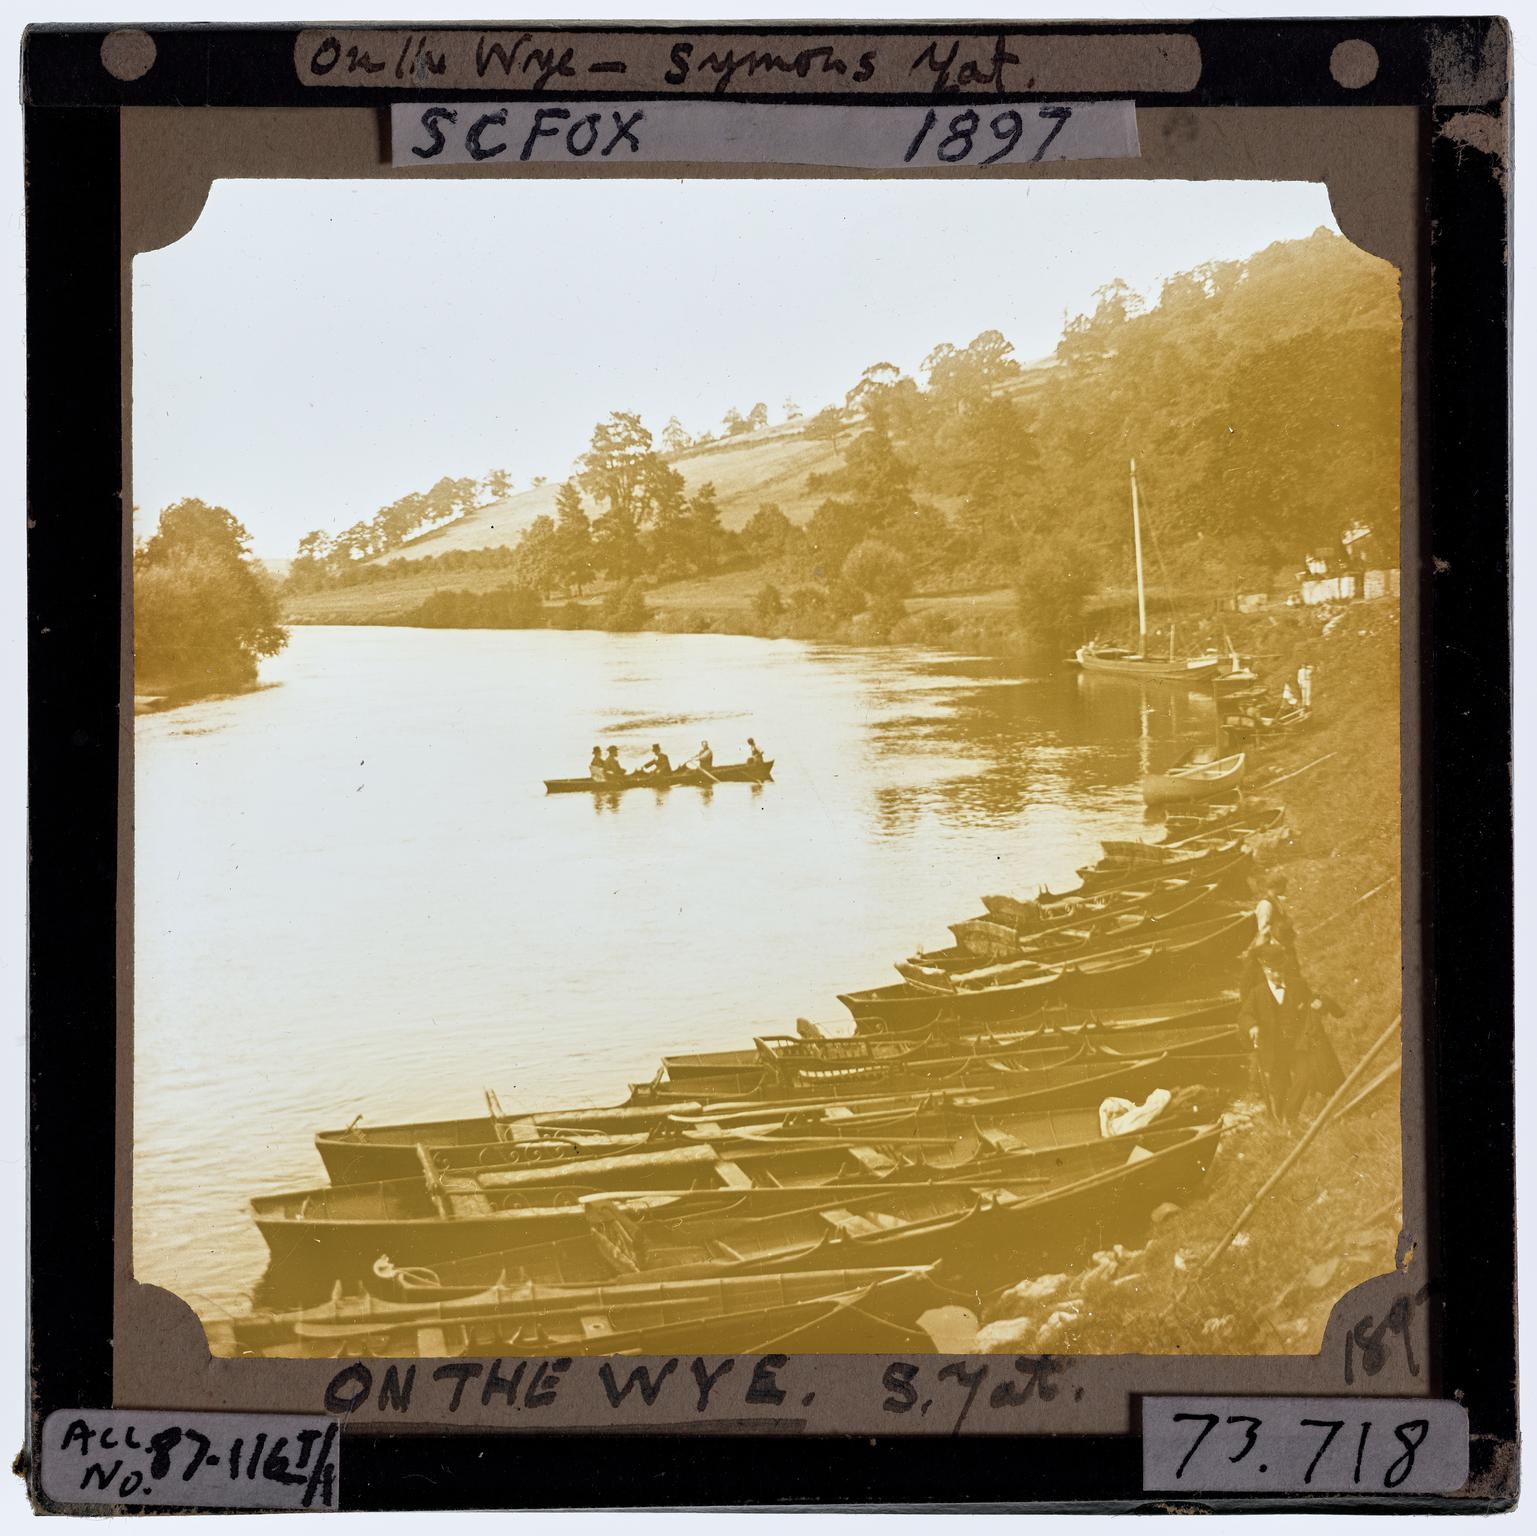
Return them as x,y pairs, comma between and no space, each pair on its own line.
353,896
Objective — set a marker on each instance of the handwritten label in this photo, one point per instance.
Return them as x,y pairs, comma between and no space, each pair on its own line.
675,62
668,132
1361,1445
804,1394
124,1457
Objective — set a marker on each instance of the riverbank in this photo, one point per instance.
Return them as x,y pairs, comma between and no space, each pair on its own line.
1334,1219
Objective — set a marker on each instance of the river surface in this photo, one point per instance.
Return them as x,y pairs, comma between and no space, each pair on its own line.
353,897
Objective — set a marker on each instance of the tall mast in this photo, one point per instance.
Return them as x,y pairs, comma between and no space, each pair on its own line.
1136,535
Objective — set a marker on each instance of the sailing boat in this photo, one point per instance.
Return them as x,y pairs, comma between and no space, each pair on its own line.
1115,658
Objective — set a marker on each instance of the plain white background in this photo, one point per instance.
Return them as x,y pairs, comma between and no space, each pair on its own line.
12,608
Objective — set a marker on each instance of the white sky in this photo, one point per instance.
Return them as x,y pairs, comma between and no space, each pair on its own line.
313,350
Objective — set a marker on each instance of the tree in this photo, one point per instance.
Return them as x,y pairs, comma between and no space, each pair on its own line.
1053,582
539,566
619,470
734,422
961,378
768,532
825,426
767,606
311,566
835,528
497,485
792,412
757,417
204,611
885,397
675,438
573,552
707,537
624,609
878,570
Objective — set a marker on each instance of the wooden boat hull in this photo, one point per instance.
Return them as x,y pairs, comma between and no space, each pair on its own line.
1196,671
1019,1212
1200,781
724,773
829,1312
362,1154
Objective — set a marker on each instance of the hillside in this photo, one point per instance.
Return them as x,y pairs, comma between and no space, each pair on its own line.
1258,398
771,465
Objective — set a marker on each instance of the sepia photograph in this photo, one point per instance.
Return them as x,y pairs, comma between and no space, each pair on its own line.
729,764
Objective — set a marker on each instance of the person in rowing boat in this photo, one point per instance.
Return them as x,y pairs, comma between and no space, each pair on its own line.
613,769
706,758
657,765
754,753
597,768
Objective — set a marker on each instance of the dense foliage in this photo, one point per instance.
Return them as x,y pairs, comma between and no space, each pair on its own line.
204,611
1259,398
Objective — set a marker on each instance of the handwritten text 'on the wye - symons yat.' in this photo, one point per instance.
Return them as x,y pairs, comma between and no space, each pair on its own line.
674,132
866,62
815,1393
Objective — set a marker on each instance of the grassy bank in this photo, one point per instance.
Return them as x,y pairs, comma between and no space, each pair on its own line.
1333,1221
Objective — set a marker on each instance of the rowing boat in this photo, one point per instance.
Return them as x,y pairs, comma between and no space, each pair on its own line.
1130,925
1194,780
362,1153
724,773
861,1311
317,1236
1017,1212
1018,989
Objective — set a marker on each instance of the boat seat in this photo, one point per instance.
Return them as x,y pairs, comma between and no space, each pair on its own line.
849,1224
1002,1141
596,1325
732,1176
469,1203
872,1161
432,1342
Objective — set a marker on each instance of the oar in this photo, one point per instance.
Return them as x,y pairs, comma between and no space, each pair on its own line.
700,768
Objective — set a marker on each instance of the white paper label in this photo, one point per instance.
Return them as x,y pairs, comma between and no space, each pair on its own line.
1361,1445
501,133
126,1457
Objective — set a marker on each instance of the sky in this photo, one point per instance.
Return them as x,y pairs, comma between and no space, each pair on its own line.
311,351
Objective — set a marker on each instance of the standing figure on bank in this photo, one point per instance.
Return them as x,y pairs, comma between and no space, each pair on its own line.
1284,1019
1272,925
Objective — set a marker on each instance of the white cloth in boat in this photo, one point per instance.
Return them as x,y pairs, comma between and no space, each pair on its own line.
1119,1117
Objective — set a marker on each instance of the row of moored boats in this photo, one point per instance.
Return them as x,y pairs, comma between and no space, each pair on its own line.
1027,1094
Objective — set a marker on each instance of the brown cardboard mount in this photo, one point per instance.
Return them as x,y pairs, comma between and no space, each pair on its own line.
1368,159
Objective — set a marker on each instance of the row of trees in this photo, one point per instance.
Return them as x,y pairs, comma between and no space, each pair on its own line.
321,555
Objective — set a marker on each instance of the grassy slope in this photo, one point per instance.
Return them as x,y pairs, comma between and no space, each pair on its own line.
1334,1221
747,471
